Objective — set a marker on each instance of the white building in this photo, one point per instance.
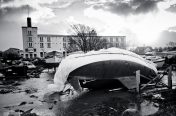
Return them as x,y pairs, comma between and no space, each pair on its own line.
37,45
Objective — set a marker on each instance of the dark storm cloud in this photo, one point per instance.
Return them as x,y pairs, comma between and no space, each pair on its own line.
14,11
145,6
120,8
172,8
123,7
5,1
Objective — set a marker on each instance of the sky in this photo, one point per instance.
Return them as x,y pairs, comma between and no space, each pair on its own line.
143,22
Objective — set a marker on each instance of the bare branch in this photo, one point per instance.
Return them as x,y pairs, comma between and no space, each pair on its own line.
85,39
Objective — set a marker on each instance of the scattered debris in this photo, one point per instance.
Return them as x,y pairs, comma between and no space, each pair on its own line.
33,96
13,113
31,103
22,103
17,110
28,113
4,91
31,90
51,107
8,107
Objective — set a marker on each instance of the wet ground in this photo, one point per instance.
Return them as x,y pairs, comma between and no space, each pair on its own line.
30,97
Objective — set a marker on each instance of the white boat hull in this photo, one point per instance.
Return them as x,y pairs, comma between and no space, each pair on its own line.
112,63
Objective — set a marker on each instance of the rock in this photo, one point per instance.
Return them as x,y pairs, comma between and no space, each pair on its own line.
28,113
8,107
22,103
31,103
17,110
13,113
31,90
16,84
33,96
5,91
50,107
55,102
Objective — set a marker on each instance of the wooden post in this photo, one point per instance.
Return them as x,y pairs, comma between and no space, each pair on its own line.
138,81
74,81
170,78
55,69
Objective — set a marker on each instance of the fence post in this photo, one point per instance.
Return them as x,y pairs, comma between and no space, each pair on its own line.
138,81
170,77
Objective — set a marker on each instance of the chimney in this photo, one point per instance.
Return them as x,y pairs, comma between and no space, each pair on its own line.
29,23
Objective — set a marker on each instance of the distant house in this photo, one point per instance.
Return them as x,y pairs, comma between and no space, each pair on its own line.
143,50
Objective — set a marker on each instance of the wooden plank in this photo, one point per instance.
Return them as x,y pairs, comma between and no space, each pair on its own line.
129,81
138,81
170,78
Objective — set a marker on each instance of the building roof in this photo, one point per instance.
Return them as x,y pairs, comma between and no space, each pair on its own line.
27,27
55,35
111,36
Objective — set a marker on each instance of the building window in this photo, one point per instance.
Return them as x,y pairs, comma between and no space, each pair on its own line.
29,33
111,39
30,45
120,40
29,39
35,50
26,55
49,45
26,50
64,44
41,45
48,39
30,55
111,44
41,39
117,39
41,54
35,55
64,39
117,44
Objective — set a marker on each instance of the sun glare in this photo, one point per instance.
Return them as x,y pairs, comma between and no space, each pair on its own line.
147,36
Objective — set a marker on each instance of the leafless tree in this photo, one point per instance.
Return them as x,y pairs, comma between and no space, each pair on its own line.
85,39
171,44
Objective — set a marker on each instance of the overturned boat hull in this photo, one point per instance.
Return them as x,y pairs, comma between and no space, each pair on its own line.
110,74
111,69
102,65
